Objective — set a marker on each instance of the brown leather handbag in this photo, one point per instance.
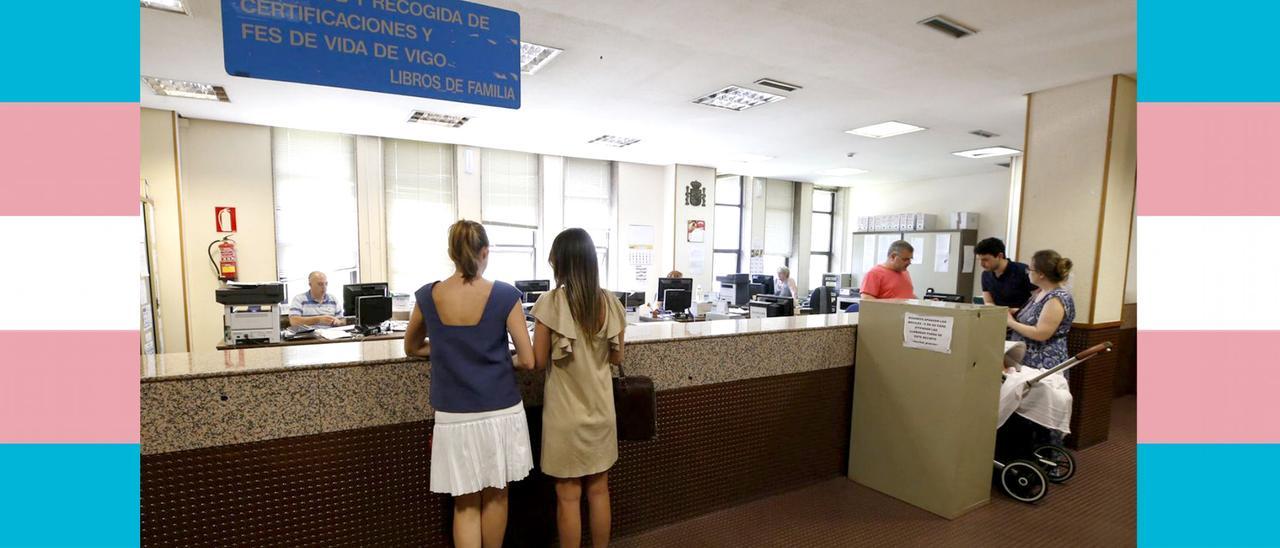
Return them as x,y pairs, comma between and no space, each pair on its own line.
636,405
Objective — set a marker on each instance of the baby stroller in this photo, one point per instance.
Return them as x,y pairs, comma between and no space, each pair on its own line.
1034,404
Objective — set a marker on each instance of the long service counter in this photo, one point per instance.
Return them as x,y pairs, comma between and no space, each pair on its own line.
331,443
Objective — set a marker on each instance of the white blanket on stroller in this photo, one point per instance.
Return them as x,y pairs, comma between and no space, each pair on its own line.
1047,403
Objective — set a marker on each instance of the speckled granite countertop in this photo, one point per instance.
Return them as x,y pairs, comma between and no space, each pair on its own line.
177,366
190,401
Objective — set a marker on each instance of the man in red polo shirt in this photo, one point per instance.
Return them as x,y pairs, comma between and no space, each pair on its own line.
890,279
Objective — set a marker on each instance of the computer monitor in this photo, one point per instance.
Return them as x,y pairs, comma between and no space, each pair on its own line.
621,296
677,300
822,300
634,299
765,280
351,293
755,289
532,289
371,311
674,283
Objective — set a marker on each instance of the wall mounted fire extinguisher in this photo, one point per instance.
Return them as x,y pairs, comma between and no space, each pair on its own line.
226,265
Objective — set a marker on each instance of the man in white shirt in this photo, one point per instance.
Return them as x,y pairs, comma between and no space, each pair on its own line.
316,306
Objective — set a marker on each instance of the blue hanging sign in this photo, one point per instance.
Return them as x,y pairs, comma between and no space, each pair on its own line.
440,49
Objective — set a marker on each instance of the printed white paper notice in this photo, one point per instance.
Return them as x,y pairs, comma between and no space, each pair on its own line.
968,259
697,260
932,333
917,244
942,253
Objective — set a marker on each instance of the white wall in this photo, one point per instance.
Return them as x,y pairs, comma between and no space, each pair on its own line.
553,221
1131,277
643,196
984,193
685,251
225,164
1120,186
159,168
1078,187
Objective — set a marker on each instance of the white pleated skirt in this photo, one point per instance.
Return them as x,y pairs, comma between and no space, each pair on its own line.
472,451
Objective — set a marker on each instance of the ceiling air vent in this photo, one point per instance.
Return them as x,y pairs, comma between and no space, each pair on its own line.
948,26
983,133
446,120
777,84
613,141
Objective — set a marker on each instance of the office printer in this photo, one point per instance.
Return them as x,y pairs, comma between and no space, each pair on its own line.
250,312
735,288
769,306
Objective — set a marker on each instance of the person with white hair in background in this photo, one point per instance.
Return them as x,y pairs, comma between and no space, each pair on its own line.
786,286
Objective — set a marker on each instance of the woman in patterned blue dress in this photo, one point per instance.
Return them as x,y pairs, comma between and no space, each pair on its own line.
1044,321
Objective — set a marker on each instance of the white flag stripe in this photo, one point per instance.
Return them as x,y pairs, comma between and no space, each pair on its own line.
71,273
1208,273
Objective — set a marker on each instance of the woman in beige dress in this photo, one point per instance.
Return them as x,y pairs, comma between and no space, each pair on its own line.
578,333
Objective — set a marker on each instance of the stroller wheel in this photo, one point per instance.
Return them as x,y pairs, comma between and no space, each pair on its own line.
1057,462
1025,481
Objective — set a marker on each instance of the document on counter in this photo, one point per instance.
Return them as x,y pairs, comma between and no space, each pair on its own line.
334,334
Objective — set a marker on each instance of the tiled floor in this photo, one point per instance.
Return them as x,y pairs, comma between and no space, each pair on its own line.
1095,508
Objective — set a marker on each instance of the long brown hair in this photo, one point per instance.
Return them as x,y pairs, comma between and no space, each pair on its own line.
1052,265
573,260
467,239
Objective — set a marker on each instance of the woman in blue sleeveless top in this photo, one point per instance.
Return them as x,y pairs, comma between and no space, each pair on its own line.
480,441
1043,323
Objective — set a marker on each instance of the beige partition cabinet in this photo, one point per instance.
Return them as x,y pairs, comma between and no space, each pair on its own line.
924,420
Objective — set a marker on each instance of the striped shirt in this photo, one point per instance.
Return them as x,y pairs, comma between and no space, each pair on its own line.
303,304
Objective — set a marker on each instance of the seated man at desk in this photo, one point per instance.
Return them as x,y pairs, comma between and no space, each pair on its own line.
890,280
315,306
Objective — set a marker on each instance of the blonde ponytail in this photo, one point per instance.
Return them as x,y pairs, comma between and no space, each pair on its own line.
467,239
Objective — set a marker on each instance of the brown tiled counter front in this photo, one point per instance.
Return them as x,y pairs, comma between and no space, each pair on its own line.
269,447
209,399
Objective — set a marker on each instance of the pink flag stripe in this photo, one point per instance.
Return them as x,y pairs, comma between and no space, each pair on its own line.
69,159
1208,159
1208,387
69,387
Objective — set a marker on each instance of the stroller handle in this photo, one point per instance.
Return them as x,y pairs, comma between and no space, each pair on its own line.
1073,361
1093,351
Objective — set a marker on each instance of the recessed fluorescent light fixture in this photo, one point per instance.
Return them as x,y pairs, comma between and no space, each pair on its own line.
613,141
885,129
750,158
446,120
842,171
533,56
737,98
988,152
183,88
175,6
